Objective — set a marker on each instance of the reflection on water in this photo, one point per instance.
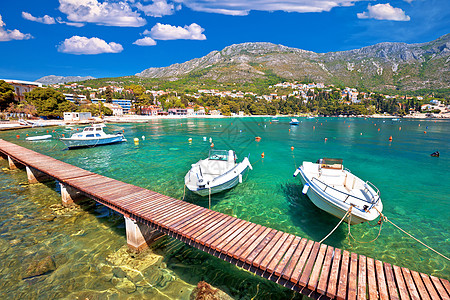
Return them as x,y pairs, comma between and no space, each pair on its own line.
86,244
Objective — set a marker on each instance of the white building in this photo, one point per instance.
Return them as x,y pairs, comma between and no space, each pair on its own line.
21,87
76,116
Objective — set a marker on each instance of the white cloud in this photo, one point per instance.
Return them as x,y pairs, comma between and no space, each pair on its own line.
242,8
60,21
384,12
147,41
101,13
169,32
45,19
158,8
83,45
9,35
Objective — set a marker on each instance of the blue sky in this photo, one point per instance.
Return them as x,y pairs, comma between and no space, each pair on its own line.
117,38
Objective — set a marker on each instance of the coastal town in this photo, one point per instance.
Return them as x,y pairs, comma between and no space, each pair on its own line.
286,98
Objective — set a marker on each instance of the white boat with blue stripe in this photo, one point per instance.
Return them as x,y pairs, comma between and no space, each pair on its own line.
335,189
216,173
92,136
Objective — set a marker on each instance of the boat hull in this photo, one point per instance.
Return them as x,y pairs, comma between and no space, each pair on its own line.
322,201
80,143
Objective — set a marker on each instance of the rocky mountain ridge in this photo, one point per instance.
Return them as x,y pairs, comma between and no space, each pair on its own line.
382,66
53,79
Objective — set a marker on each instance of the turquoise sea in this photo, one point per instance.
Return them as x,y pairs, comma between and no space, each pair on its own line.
415,190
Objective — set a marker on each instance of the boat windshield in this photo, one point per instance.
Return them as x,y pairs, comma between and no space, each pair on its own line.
218,155
331,163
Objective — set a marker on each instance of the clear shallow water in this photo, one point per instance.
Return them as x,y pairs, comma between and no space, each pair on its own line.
414,188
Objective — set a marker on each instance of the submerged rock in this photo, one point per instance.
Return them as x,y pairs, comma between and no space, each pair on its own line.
205,291
126,286
42,267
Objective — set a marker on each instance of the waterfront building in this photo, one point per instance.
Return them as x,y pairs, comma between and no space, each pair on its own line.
21,87
77,116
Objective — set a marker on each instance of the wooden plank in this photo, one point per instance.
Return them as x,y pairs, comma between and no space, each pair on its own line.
237,226
420,286
172,225
221,245
413,292
235,239
177,227
287,256
224,218
148,208
220,231
276,260
189,231
264,247
205,226
243,239
362,278
381,281
403,291
309,265
290,266
343,276
430,288
371,279
332,282
440,288
301,262
251,243
324,274
186,229
314,278
179,209
187,210
393,294
353,277
263,259
446,284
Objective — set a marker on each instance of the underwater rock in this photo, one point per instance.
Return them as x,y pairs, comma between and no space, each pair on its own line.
205,291
4,245
126,286
104,268
14,242
118,272
41,267
95,295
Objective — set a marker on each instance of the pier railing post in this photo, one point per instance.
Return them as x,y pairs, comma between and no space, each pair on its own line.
35,176
13,164
69,195
139,235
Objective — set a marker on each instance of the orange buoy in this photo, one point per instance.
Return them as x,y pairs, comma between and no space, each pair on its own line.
262,155
378,129
292,148
53,131
123,130
257,138
348,126
390,138
63,134
419,125
270,122
400,128
47,131
212,145
27,134
424,132
314,127
320,123
17,136
289,130
326,139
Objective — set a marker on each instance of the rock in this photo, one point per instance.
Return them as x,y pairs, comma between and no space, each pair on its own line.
115,280
134,275
106,277
118,272
42,267
205,291
4,245
14,242
126,286
104,268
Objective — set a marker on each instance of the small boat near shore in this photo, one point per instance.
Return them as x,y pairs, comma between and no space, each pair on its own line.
216,173
335,189
294,121
39,137
92,136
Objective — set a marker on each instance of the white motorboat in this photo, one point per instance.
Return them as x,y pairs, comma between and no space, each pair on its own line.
92,136
39,137
294,122
275,120
216,173
334,189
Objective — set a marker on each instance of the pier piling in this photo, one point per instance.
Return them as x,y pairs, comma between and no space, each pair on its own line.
139,235
35,176
13,164
69,195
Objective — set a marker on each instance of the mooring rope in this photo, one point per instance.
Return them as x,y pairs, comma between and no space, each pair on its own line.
380,222
343,218
408,234
210,198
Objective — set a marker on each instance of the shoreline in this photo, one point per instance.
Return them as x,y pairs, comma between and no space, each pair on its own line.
12,125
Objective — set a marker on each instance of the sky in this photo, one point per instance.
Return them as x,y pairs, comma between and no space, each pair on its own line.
110,38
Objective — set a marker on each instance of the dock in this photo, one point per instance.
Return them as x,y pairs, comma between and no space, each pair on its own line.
316,270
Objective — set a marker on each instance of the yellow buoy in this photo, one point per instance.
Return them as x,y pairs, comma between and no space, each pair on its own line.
136,141
190,140
262,155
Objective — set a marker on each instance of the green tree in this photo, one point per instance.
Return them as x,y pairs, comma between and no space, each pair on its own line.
225,109
109,94
6,95
49,102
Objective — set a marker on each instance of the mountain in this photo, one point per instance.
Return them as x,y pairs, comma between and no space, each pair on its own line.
53,79
384,66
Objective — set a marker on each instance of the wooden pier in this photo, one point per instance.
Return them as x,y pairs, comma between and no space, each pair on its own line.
313,269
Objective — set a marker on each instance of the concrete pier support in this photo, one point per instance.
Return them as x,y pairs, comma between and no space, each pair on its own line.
14,164
139,236
35,176
69,195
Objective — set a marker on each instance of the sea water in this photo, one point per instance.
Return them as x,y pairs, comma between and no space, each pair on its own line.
414,189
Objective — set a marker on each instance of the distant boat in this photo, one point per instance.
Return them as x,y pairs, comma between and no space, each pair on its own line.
294,122
38,137
335,189
310,117
396,119
92,136
275,119
216,173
